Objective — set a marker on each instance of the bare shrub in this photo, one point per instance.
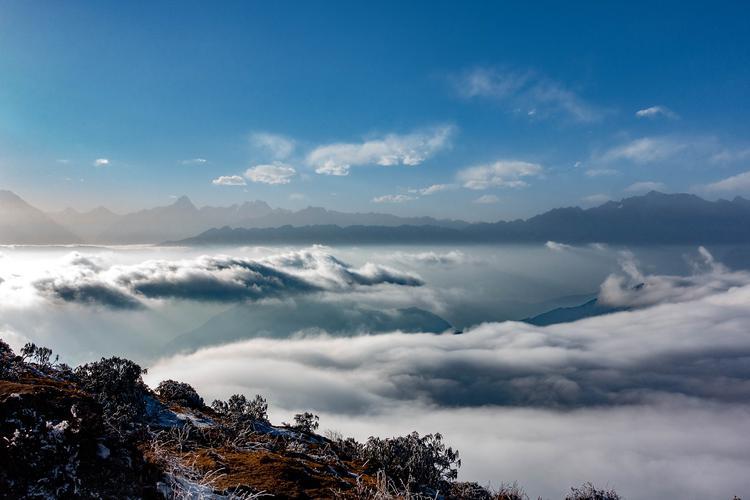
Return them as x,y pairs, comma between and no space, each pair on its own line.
412,460
588,492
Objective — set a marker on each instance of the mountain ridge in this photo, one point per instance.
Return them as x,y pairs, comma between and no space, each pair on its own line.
651,218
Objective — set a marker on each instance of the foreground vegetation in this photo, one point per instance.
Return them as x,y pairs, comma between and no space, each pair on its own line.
97,431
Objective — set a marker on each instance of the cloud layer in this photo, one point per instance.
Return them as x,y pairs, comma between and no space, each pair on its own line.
83,280
691,343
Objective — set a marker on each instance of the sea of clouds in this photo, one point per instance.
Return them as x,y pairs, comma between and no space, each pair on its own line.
653,401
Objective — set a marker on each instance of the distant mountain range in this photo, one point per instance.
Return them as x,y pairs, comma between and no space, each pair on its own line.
651,218
654,218
21,223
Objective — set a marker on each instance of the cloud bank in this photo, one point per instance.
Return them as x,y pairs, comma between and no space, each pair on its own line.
83,280
692,342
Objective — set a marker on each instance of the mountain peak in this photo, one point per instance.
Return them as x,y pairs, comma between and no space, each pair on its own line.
183,202
10,197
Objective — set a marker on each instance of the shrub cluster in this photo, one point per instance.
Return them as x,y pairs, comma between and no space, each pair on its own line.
306,422
240,410
180,393
588,492
413,460
117,385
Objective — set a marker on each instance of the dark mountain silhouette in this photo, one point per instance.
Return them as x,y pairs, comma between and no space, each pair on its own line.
283,320
316,216
567,314
20,223
654,218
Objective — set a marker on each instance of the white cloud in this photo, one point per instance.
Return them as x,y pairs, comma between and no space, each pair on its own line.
655,112
502,173
297,196
487,199
87,280
632,288
601,172
393,198
435,188
735,183
194,161
277,146
595,199
277,173
453,257
528,92
646,150
730,155
229,180
101,162
393,149
645,186
557,247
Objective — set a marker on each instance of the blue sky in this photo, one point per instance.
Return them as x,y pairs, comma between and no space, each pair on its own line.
481,110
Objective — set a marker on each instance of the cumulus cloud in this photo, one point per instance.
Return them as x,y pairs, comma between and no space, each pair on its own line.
211,278
278,173
502,173
645,186
101,162
529,92
229,180
487,199
735,183
655,112
632,288
393,198
393,149
278,147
